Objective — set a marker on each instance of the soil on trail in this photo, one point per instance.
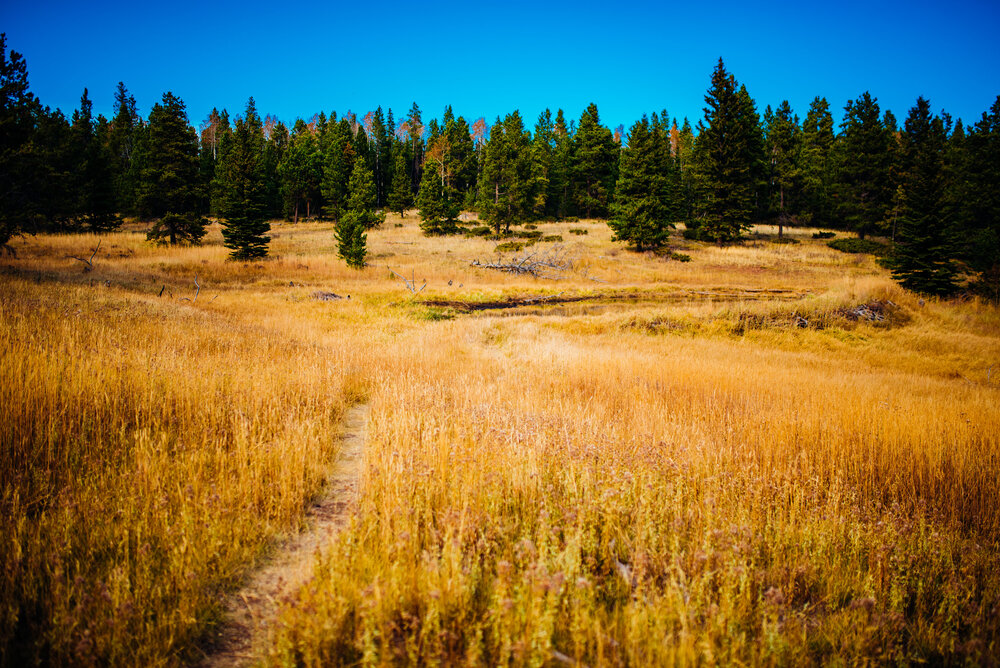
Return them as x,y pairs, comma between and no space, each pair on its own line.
250,611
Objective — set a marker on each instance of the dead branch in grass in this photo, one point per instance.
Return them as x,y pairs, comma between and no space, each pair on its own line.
90,262
410,283
552,264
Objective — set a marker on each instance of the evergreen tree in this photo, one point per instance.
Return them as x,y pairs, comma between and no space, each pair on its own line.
641,209
923,260
52,170
121,144
400,197
241,175
275,146
816,204
864,187
338,164
18,109
362,199
94,194
543,145
595,164
351,242
728,153
438,210
169,188
783,139
558,198
462,167
300,171
682,146
505,185
981,247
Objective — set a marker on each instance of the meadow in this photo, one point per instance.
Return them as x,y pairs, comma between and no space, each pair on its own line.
770,454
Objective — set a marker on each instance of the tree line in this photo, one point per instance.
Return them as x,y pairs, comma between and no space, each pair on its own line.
929,185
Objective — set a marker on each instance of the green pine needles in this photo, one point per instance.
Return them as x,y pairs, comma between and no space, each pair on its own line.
352,243
244,203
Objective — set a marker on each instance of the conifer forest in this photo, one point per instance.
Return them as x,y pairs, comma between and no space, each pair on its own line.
396,388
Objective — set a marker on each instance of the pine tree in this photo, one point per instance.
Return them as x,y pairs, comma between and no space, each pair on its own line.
923,260
505,185
864,187
169,188
93,183
438,211
641,210
784,143
981,249
299,172
121,144
338,164
243,190
18,109
595,163
543,145
351,242
558,199
362,199
400,197
816,204
729,149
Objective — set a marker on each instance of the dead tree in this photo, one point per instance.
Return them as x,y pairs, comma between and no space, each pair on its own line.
552,264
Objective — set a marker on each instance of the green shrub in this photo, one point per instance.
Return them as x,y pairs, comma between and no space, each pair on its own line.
479,231
509,247
578,231
784,240
552,237
824,235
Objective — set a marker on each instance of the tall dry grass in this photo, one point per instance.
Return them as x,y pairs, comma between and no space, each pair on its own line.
682,477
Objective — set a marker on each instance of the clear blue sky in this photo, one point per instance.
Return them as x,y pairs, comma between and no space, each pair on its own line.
485,59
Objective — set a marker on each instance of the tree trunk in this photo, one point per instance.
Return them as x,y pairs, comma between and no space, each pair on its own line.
296,211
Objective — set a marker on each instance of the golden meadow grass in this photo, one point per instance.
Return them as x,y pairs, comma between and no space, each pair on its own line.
685,476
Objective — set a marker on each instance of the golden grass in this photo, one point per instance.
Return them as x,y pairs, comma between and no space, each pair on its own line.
679,478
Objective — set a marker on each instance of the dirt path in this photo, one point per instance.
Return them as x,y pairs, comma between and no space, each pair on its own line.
250,611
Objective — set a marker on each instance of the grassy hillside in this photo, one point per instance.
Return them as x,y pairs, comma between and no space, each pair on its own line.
768,454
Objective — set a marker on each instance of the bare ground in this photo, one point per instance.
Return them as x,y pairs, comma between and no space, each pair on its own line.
251,610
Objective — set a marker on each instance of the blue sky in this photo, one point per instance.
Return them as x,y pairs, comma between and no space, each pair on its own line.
490,58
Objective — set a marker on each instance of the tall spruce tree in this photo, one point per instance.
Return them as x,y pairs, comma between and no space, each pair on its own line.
923,258
170,188
361,202
300,171
244,194
981,247
594,166
559,196
783,140
642,206
438,209
338,164
121,143
94,193
400,198
864,187
505,185
816,204
728,157
18,110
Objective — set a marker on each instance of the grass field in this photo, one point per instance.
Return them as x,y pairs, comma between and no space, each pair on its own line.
770,454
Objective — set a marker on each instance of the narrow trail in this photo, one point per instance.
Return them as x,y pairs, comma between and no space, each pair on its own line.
251,611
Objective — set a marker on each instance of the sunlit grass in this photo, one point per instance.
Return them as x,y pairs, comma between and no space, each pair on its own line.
688,476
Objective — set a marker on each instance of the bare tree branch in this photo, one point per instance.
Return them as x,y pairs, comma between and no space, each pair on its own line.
90,262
